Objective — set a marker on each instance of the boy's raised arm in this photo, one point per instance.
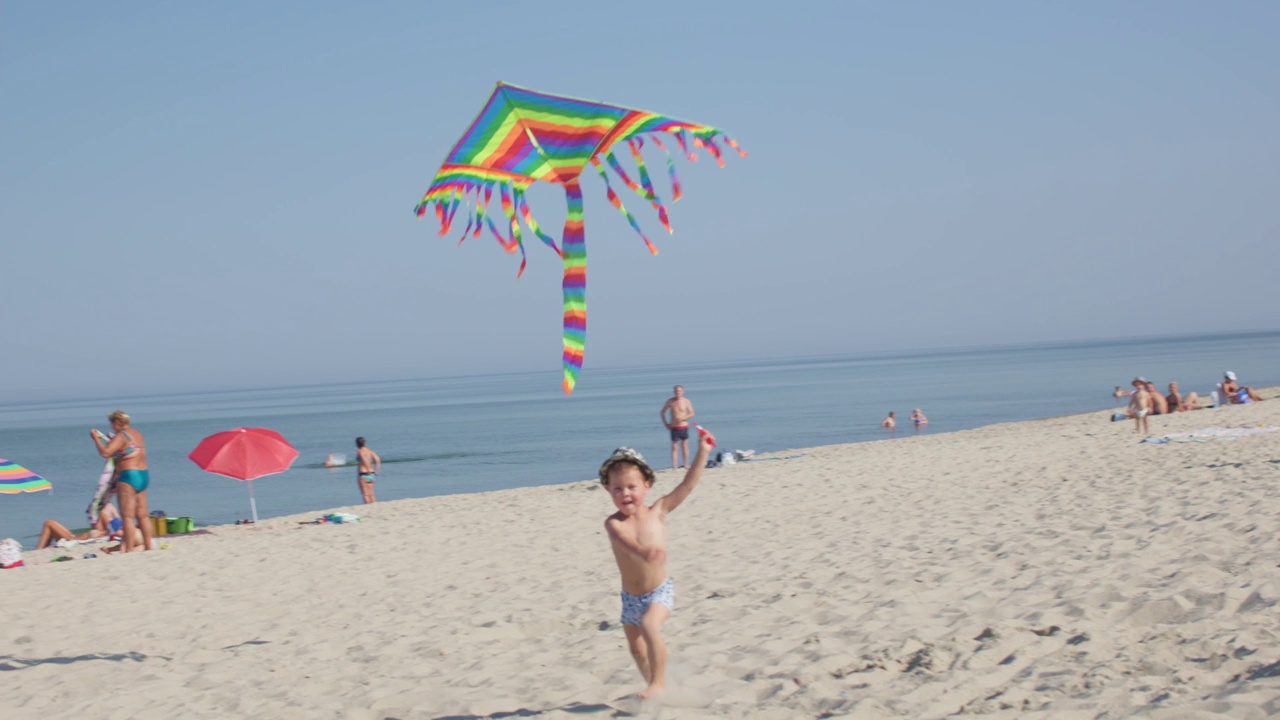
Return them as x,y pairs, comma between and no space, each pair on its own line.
672,500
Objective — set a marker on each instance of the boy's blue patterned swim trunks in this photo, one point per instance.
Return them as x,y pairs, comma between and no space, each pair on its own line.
634,606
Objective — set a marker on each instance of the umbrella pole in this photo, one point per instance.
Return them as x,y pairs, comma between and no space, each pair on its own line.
253,505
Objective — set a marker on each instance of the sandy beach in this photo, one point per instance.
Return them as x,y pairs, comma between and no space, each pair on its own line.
1048,569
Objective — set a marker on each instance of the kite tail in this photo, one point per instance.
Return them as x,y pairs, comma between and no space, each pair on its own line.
646,193
507,244
676,192
635,144
617,203
684,147
482,204
514,240
533,224
712,148
574,251
729,141
471,220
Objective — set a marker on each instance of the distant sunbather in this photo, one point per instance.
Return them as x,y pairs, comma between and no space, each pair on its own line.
1236,393
1159,406
1178,402
108,522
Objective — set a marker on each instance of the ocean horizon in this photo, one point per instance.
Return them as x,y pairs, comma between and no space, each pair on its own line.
463,434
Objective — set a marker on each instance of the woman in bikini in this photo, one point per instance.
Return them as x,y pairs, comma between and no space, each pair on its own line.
132,478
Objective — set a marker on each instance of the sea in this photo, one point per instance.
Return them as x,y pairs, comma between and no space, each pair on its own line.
449,435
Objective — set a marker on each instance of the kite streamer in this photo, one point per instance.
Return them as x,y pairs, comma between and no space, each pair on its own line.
522,136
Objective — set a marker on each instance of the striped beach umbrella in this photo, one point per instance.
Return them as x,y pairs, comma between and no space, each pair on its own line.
15,479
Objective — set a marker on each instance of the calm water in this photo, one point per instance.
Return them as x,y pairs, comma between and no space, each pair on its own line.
471,434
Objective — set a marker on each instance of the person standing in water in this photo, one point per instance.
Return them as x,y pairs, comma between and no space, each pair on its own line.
681,412
367,469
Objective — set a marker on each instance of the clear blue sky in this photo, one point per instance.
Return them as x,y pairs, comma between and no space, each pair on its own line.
219,195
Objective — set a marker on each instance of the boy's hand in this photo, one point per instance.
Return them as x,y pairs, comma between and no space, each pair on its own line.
705,439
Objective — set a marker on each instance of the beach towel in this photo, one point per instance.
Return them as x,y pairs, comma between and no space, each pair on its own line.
1210,434
106,484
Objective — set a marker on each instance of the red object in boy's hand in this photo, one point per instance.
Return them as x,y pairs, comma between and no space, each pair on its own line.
711,439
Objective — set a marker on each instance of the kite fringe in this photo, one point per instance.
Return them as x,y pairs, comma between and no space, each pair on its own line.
472,196
617,203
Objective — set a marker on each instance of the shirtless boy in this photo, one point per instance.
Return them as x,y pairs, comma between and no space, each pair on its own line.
1140,405
367,471
681,412
638,534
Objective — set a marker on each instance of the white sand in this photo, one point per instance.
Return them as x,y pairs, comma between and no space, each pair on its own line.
1047,569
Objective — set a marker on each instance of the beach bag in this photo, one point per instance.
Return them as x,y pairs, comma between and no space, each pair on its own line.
10,554
159,525
181,525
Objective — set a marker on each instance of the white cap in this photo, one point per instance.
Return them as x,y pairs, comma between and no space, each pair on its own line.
1231,376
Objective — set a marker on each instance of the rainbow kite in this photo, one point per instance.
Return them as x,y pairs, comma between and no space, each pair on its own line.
15,479
522,136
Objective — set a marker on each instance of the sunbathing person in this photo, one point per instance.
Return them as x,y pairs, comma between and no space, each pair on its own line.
1179,403
108,522
1159,405
1238,394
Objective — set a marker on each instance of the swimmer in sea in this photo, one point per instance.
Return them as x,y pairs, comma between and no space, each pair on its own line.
918,419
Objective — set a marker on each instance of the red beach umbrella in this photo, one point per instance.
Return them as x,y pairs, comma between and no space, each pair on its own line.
245,454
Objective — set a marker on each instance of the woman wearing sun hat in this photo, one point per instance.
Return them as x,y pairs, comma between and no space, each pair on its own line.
1236,393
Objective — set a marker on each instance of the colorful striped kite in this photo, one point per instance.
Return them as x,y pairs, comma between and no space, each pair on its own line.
522,136
15,479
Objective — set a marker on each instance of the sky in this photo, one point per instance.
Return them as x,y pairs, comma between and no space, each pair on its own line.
203,196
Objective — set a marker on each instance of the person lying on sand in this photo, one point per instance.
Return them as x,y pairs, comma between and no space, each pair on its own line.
1178,402
1236,393
108,522
638,536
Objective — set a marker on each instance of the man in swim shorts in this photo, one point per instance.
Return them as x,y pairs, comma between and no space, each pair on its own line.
676,414
367,469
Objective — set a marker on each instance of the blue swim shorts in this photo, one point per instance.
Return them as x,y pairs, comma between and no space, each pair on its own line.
634,606
680,433
136,479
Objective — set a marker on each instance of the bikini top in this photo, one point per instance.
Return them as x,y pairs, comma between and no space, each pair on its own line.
128,449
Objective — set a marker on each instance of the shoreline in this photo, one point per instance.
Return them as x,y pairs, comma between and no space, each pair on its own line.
907,433
1036,569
